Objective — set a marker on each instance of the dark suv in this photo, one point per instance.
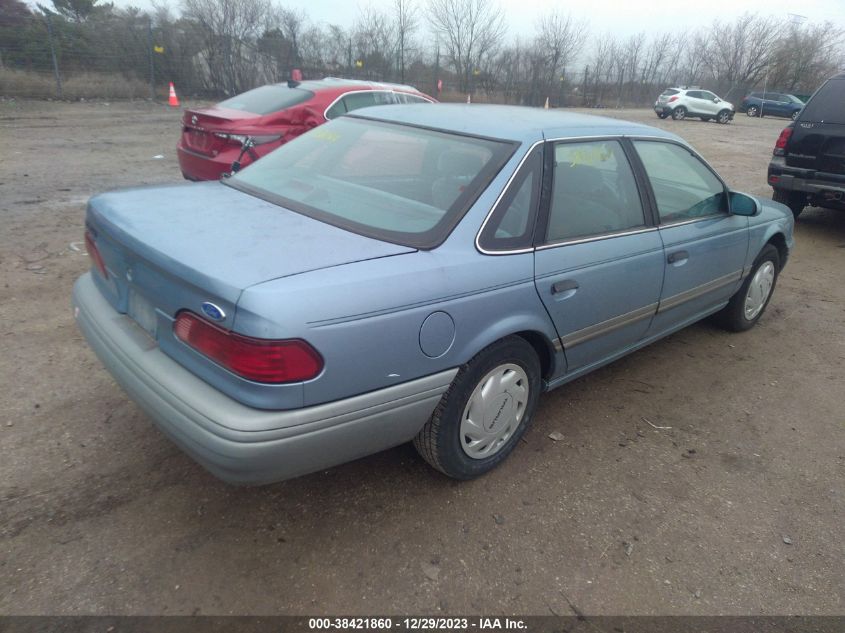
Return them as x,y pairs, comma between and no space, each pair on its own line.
808,165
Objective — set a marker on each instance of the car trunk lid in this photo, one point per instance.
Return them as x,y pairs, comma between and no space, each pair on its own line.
204,129
169,248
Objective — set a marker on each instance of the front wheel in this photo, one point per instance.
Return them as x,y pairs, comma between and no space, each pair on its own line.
748,304
481,417
679,113
723,117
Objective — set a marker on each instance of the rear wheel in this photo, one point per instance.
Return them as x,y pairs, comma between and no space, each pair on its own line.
723,117
679,113
795,200
748,304
481,417
752,111
662,115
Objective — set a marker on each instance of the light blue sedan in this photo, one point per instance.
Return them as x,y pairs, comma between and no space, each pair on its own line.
412,273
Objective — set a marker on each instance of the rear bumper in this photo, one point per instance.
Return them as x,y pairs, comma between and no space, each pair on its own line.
808,181
196,166
236,443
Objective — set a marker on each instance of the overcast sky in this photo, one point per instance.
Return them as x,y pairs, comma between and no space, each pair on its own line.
624,17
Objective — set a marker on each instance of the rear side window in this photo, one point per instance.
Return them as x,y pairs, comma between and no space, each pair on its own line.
267,99
684,187
828,104
511,225
593,191
357,100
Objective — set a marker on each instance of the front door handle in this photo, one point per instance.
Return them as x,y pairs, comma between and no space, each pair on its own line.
564,286
678,257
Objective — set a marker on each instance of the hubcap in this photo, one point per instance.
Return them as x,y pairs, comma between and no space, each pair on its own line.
494,411
759,290
752,112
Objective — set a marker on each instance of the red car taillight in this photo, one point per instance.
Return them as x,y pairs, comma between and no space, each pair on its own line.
261,360
94,254
783,139
671,99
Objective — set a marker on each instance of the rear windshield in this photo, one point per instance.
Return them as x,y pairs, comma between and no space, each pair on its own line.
267,99
394,182
668,92
827,105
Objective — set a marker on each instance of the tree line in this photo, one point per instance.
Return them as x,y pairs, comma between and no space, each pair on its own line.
223,47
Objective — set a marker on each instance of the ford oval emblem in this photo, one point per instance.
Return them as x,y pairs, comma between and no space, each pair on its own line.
213,312
194,120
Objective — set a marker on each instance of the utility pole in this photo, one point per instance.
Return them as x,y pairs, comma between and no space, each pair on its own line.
152,62
53,54
436,66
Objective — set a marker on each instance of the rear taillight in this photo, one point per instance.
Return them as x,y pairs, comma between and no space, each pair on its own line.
671,99
94,254
783,139
261,360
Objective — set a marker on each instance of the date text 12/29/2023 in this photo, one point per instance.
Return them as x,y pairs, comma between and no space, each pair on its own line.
416,624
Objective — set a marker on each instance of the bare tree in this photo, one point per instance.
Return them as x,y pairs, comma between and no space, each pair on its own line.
375,42
469,30
559,38
229,30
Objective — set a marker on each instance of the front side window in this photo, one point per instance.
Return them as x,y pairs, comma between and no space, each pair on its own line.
390,181
593,191
683,186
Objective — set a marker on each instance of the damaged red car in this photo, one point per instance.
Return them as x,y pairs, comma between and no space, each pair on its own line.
240,130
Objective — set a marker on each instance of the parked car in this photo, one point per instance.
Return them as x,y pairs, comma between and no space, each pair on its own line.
680,103
412,273
808,161
253,124
771,104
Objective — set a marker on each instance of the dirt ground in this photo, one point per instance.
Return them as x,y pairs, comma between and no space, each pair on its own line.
100,514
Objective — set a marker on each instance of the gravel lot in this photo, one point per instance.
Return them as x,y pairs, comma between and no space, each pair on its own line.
100,514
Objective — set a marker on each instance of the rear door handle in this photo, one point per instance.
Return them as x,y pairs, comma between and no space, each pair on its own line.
564,286
678,257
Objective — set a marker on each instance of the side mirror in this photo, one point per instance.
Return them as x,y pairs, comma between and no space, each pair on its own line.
743,204
716,100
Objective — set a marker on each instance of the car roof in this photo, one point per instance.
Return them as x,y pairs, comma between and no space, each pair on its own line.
339,84
514,123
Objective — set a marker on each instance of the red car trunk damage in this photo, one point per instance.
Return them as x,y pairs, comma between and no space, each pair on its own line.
212,138
210,143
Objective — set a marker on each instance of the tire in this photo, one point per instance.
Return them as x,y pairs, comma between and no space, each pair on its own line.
795,200
724,117
752,111
445,441
679,113
662,115
749,303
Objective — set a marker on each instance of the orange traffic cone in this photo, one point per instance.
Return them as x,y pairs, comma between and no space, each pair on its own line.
173,100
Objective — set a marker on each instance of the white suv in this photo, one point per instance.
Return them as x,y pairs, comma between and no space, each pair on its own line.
693,102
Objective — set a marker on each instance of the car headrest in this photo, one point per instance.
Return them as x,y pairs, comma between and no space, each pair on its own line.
454,163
